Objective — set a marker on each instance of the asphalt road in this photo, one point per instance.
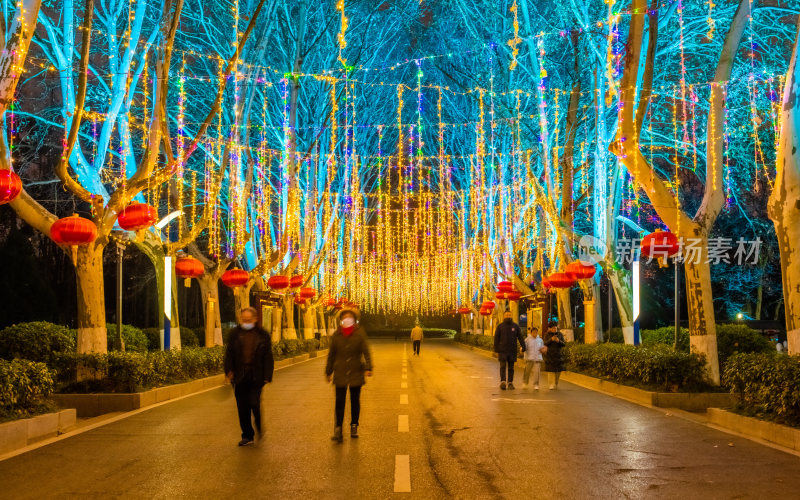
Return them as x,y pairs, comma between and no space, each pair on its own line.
464,438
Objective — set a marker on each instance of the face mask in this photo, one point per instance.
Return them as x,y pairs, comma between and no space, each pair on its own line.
248,326
348,322
508,320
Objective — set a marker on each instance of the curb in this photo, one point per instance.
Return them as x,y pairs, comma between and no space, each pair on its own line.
755,429
21,433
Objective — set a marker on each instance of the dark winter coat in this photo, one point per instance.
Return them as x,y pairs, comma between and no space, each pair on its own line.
263,363
554,358
506,337
348,358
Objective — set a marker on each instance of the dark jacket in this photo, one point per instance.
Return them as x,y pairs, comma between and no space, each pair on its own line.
553,358
348,358
263,363
506,337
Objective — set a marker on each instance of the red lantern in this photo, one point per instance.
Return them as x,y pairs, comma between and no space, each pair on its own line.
505,286
307,293
299,300
579,271
137,216
464,310
546,284
73,231
235,277
560,280
328,302
485,312
10,186
338,306
296,281
188,268
513,296
660,244
488,305
278,282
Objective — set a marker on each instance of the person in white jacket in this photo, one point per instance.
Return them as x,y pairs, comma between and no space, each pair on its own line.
533,357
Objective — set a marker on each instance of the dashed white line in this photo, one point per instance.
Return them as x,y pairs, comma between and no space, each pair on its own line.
402,423
404,376
404,399
402,474
404,385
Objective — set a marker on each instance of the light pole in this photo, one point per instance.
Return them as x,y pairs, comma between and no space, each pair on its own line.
166,341
120,252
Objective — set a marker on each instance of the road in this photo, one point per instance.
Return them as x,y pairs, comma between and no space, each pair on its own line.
447,421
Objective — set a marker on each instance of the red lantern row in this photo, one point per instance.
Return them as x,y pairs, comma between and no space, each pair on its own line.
307,293
278,282
505,286
10,186
560,280
464,310
485,312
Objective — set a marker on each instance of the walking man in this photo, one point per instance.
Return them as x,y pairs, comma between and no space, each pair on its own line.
506,337
248,366
416,337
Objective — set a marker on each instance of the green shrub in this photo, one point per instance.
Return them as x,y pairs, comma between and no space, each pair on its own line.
135,340
666,336
311,345
767,385
737,338
615,337
650,367
189,338
24,384
153,338
35,341
133,371
485,342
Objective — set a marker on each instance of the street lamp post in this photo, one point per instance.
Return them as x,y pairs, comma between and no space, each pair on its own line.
120,252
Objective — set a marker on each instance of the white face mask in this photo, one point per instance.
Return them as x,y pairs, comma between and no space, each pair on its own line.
248,326
348,322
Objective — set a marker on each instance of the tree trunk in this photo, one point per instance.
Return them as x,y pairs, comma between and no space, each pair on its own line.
620,281
154,251
592,317
209,290
784,202
308,322
700,305
565,314
91,299
288,331
241,298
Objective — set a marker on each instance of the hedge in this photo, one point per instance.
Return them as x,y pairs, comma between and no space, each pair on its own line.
133,371
24,385
480,341
135,340
189,337
153,338
652,368
35,341
767,385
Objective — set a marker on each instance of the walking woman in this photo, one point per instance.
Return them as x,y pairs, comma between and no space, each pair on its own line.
349,361
553,358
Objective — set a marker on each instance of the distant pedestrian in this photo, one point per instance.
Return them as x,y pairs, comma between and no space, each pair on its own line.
349,361
506,337
416,338
553,358
248,366
533,357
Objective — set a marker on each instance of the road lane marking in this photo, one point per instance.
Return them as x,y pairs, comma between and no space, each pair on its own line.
404,385
402,474
528,400
405,375
404,399
402,423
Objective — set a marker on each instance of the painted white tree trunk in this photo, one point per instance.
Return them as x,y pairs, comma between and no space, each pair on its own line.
565,314
209,290
309,325
700,306
288,332
623,295
91,299
784,202
592,317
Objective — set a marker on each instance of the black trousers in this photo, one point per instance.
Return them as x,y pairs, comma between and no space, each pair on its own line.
248,402
355,404
507,362
417,343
